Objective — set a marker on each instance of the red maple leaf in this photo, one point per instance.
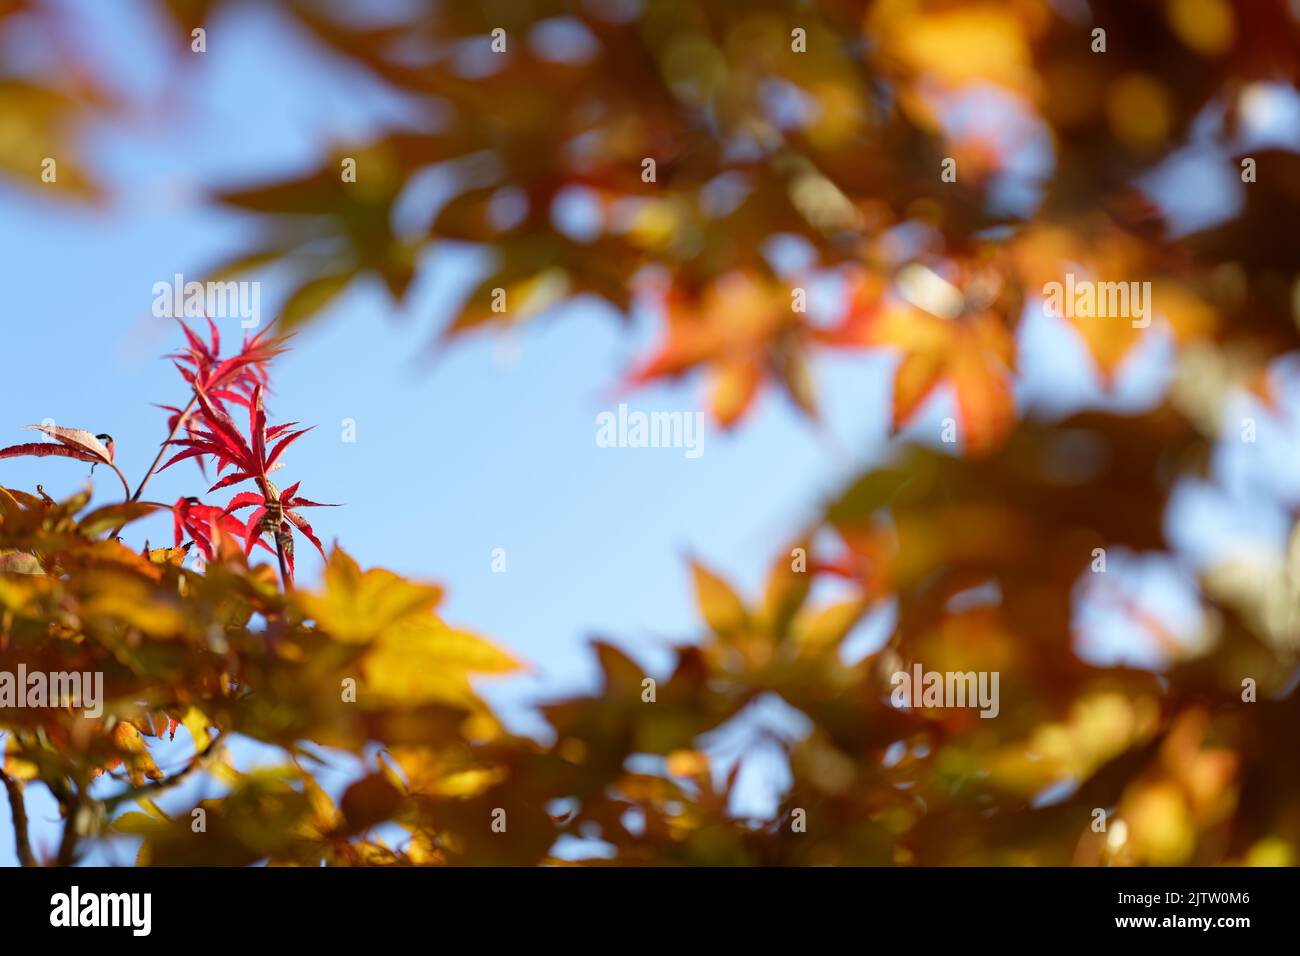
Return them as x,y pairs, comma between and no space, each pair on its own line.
230,380
203,524
251,459
277,514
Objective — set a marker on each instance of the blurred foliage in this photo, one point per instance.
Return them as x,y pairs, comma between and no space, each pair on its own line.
222,652
986,556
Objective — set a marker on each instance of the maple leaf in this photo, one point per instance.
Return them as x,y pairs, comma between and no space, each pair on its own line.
215,433
276,513
411,655
252,459
130,749
356,606
1096,253
720,606
203,524
75,443
230,380
422,660
741,328
973,352
72,443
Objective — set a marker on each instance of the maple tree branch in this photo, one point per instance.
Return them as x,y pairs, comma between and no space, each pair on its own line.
200,761
22,839
285,577
68,842
162,449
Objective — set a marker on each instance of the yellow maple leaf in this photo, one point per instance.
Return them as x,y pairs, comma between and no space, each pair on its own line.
423,661
357,606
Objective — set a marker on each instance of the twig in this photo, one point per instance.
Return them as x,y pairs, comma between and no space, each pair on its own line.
122,478
68,843
200,761
162,449
22,839
285,576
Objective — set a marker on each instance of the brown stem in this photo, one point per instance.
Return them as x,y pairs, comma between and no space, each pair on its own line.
200,761
67,854
68,844
272,493
285,576
22,840
122,478
162,449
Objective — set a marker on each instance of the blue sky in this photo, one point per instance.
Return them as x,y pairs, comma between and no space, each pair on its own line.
491,446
